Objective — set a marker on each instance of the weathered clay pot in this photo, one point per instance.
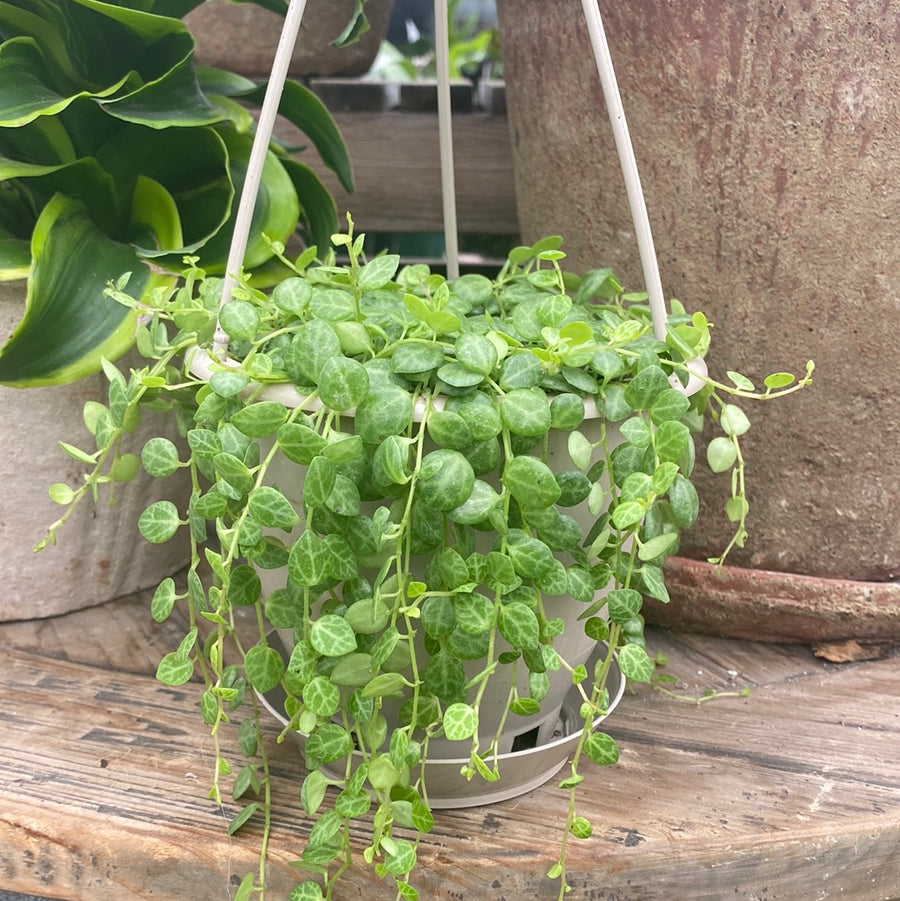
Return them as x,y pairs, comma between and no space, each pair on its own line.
768,144
100,554
242,37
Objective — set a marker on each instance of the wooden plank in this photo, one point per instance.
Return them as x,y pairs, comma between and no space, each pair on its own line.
396,163
793,794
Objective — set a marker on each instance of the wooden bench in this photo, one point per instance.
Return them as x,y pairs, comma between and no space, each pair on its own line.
391,132
790,794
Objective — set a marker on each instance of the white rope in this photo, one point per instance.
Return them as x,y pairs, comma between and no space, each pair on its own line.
445,136
628,163
253,178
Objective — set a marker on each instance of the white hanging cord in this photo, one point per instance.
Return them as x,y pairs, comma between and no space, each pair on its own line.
263,136
445,136
628,163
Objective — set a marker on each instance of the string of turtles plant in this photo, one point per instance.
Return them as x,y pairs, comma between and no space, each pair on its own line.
432,536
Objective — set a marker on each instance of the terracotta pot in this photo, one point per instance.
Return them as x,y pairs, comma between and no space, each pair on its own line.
769,606
768,147
100,554
242,37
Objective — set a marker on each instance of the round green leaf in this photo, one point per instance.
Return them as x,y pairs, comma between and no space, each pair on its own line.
260,419
476,290
368,616
387,410
649,384
658,546
382,774
531,558
721,454
458,376
332,636
244,587
580,451
125,468
272,509
519,625
313,346
445,677
159,457
482,419
531,482
628,514
669,404
581,828
353,670
163,600
566,411
417,358
228,384
525,707
378,272
446,479
234,472
391,460
521,370
159,522
299,442
477,353
264,667
321,696
307,891
684,502
309,561
778,380
526,412
175,669
448,429
438,617
635,664
473,613
204,443
477,506
460,722
601,749
61,494
332,304
292,295
636,431
343,383
624,603
734,421
672,441
319,481
240,320
383,685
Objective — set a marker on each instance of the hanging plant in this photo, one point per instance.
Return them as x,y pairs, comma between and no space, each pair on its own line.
424,486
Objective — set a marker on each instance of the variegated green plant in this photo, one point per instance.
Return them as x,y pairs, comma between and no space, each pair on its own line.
118,154
416,527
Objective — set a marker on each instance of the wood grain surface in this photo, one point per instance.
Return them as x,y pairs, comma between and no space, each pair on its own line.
396,163
791,794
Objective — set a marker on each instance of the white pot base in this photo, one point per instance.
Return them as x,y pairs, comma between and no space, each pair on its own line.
520,770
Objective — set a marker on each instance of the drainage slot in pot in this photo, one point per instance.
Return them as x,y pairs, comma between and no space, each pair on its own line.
525,741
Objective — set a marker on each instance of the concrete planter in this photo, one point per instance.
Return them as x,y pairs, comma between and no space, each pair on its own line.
100,554
242,37
767,142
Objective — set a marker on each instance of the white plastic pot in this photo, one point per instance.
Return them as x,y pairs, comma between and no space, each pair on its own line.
533,758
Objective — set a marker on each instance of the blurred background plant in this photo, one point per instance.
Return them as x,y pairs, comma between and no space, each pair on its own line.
118,154
408,52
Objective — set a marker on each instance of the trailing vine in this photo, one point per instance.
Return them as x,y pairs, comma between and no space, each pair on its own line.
465,472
